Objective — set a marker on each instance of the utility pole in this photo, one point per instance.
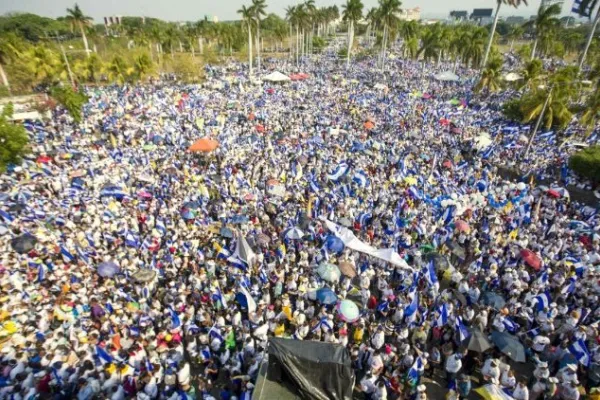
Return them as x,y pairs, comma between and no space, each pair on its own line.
538,122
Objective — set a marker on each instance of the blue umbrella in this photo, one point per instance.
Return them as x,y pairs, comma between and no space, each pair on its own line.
108,269
509,345
493,299
193,205
326,296
239,219
187,214
334,244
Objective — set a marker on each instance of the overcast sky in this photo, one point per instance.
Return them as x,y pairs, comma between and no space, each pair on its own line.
192,10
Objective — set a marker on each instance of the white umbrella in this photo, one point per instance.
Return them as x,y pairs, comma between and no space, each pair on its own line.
482,141
446,76
513,77
276,77
294,234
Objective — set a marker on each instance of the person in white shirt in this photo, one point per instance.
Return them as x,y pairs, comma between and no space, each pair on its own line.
490,369
453,366
539,343
521,392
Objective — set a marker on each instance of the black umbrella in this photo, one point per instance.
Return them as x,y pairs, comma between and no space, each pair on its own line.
23,244
478,341
460,297
509,345
493,299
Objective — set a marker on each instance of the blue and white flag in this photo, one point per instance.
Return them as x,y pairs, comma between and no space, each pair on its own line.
218,296
364,218
581,352
430,275
543,301
510,325
103,355
442,319
249,300
340,171
410,312
175,321
448,215
6,217
416,369
463,332
132,239
41,273
66,254
361,179
160,227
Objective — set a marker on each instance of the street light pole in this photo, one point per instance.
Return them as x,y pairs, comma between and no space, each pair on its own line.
538,122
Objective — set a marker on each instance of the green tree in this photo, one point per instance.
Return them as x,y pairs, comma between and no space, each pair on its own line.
584,6
43,64
352,13
13,139
590,117
515,33
71,100
532,73
513,3
491,77
258,8
116,70
76,18
10,49
142,66
586,163
247,20
544,23
88,70
388,11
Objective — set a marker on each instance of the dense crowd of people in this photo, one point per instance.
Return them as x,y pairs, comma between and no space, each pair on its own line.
133,267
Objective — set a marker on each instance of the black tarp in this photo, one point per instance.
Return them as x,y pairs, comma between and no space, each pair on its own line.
317,370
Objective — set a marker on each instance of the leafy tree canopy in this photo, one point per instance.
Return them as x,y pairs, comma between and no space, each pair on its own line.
13,139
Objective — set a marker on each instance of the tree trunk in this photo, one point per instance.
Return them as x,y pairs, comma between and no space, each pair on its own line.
151,52
535,42
489,45
192,47
512,43
383,46
85,42
201,45
589,39
349,44
258,47
172,53
297,45
303,43
180,47
250,49
4,77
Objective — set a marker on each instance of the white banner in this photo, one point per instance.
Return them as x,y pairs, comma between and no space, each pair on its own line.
354,243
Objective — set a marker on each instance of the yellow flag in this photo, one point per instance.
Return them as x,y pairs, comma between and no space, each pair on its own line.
513,234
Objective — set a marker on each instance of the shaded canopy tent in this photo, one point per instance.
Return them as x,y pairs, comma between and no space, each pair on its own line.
314,370
513,77
276,77
446,76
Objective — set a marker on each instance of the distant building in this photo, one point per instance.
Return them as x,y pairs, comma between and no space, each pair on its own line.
459,15
114,20
410,14
482,16
515,20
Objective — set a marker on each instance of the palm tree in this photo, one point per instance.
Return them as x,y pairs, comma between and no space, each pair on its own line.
10,50
170,37
583,6
590,117
142,66
388,9
531,74
258,10
371,18
431,42
89,69
290,16
310,10
352,12
514,3
190,33
116,70
491,77
247,19
544,22
157,36
473,43
76,18
42,63
516,32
